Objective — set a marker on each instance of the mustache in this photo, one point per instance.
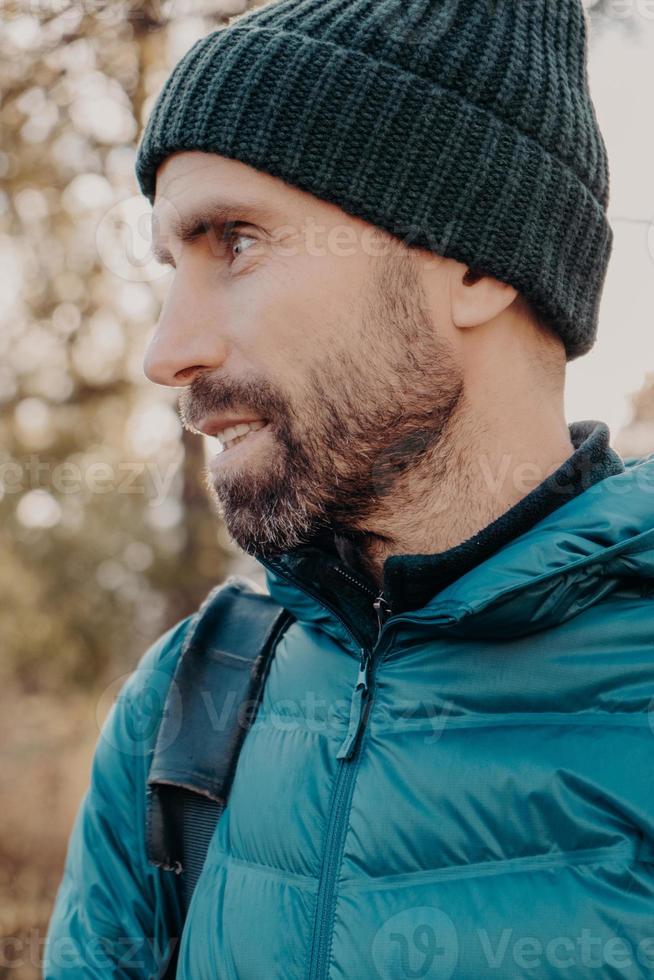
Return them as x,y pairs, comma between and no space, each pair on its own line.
213,396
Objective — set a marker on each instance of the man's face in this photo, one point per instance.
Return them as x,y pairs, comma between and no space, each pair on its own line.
286,310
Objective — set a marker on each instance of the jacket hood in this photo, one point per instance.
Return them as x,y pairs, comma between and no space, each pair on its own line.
588,548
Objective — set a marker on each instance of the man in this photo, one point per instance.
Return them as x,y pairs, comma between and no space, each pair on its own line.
388,227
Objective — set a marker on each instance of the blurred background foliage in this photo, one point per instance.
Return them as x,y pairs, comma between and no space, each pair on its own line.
106,535
104,527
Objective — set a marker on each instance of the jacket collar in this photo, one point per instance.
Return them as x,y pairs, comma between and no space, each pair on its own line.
566,563
537,578
411,581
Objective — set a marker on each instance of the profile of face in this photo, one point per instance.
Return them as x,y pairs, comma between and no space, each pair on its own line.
286,312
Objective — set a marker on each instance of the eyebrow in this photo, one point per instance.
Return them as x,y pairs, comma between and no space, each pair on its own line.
215,216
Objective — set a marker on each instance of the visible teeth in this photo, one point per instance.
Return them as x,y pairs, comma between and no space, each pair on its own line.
237,432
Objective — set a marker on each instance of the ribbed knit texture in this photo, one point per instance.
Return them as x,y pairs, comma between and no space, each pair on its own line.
461,126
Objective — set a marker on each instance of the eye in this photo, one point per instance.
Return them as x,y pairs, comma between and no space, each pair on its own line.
238,240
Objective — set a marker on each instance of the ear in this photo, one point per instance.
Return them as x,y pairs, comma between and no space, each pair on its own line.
475,298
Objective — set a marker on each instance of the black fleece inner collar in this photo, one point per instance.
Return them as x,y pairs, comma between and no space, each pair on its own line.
410,581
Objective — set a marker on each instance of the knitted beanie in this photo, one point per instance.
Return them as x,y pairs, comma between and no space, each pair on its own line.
464,127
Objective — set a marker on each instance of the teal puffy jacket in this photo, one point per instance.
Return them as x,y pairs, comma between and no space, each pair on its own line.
493,818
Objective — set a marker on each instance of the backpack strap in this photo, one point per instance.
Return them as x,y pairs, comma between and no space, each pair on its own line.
211,704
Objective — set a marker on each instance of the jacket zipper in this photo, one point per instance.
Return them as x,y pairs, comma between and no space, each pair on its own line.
342,800
361,691
359,584
345,776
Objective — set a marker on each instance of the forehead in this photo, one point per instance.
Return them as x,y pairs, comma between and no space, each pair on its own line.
192,167
190,181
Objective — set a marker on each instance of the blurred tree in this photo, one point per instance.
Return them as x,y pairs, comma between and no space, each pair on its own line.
105,533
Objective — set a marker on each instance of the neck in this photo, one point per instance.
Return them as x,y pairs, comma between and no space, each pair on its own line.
481,468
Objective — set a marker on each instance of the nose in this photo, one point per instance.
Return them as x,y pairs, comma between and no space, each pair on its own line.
187,340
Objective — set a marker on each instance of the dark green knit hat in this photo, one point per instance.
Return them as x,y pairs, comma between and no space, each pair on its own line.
461,126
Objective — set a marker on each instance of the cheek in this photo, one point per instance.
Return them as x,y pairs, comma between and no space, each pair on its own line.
295,313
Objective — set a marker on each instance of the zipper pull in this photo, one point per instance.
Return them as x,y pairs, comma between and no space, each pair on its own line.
383,610
357,705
